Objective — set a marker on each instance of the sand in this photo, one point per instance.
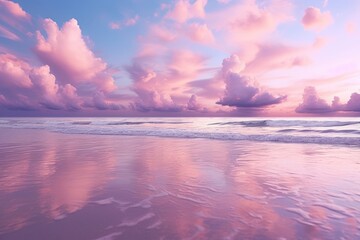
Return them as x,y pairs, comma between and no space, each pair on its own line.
68,186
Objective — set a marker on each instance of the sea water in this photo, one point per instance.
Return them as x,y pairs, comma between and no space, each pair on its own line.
343,131
179,178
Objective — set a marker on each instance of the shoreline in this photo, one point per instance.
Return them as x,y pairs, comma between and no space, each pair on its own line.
337,141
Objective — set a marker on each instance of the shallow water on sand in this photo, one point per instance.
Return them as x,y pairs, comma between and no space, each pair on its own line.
68,186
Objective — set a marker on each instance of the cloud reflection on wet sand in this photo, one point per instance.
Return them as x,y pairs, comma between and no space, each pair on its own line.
88,187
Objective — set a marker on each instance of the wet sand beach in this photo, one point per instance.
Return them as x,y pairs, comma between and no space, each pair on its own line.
72,186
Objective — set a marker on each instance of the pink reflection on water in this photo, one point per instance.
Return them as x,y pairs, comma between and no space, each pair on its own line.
81,187
55,176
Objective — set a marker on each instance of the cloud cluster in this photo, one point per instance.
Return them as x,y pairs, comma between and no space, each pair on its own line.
13,9
172,70
71,77
68,56
247,21
126,23
272,56
6,33
185,10
312,103
29,88
166,87
200,33
14,72
163,90
314,19
193,104
12,19
242,91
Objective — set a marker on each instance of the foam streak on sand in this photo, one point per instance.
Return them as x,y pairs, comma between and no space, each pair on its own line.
134,222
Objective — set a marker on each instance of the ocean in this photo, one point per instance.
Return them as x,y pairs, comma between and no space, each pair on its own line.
342,131
179,178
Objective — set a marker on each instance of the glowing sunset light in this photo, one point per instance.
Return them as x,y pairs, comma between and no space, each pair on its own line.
180,58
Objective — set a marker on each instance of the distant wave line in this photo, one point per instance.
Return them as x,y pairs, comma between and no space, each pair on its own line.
288,123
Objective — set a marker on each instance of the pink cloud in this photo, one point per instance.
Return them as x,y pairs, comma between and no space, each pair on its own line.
247,21
149,87
185,10
154,100
69,91
71,99
161,33
314,19
8,34
351,27
320,42
19,102
354,103
126,23
71,77
224,1
14,72
25,87
232,64
200,33
52,96
193,104
14,16
156,41
200,105
256,21
132,21
162,37
14,9
114,25
164,6
46,81
271,56
211,89
242,91
68,56
164,89
184,65
45,85
99,101
312,103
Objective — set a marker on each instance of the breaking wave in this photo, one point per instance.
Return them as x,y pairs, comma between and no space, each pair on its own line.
288,123
220,136
333,132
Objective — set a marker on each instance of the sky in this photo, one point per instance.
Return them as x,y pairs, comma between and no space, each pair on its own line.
259,58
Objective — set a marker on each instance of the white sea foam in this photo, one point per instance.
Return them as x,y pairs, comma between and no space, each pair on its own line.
110,236
208,128
300,212
289,123
155,225
218,136
105,201
134,222
335,208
